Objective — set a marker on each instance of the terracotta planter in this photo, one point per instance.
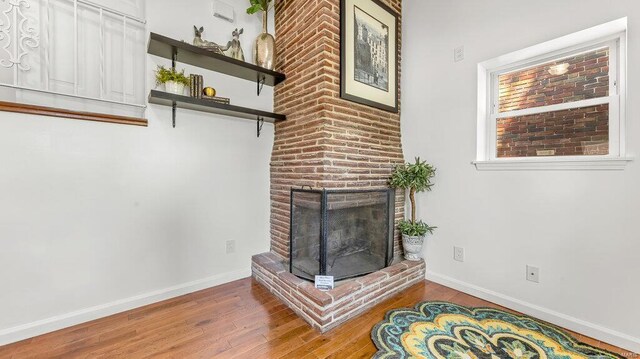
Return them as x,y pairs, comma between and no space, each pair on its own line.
412,246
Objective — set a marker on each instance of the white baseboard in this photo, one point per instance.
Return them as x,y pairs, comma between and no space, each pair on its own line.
577,325
51,324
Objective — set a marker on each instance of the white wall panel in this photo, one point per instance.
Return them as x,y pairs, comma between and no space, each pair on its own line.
98,218
579,227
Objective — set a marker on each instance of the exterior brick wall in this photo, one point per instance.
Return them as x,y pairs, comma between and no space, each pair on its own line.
326,142
587,77
575,132
583,131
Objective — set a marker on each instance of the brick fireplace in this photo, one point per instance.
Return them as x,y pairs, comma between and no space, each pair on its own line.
326,143
341,233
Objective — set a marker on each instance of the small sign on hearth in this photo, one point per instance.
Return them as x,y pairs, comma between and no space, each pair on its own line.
324,282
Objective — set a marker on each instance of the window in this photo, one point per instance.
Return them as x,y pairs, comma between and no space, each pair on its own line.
74,55
555,105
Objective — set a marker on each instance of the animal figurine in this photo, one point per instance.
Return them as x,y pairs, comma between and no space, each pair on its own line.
233,48
208,45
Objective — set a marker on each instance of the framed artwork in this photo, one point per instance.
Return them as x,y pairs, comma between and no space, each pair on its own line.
369,54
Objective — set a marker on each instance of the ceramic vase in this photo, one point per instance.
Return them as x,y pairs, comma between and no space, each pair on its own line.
265,47
174,87
412,246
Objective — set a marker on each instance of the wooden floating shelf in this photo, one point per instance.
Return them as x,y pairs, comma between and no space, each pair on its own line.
180,51
192,103
186,53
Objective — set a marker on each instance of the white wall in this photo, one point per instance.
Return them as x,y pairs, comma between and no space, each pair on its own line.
580,228
96,218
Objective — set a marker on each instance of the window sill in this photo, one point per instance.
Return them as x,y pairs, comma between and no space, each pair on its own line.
590,164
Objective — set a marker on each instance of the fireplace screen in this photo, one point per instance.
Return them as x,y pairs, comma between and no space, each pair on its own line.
340,233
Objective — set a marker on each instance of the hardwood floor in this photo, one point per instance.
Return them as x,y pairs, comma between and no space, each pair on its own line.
236,320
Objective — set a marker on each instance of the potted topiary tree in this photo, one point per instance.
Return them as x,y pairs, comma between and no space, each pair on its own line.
414,177
175,82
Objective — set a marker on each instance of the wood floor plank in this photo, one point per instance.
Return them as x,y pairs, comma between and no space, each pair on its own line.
241,319
195,347
364,353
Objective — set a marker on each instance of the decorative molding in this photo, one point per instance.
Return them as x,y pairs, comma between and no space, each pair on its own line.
74,115
48,48
25,34
601,333
51,324
554,164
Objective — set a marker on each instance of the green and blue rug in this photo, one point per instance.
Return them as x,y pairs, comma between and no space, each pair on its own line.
446,330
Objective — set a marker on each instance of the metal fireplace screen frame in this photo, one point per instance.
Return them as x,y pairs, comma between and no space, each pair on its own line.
322,206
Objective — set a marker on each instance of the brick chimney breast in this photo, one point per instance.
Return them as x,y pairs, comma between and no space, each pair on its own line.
326,142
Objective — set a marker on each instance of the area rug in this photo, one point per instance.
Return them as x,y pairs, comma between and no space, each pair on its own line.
447,330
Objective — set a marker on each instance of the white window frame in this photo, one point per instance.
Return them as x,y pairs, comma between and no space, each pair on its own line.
612,35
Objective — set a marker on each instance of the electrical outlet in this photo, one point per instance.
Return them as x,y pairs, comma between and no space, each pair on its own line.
231,247
458,54
458,254
533,274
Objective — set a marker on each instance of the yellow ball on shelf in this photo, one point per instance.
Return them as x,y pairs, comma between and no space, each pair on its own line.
209,91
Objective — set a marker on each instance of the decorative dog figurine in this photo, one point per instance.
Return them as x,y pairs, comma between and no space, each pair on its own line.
208,45
233,48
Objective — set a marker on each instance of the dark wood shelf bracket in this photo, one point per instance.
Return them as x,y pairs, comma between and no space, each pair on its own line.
260,82
259,124
174,105
174,59
174,56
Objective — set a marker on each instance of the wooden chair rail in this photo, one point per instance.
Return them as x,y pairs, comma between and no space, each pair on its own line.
74,115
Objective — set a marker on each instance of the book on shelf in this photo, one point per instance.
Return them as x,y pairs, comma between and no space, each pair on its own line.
200,87
192,85
223,100
195,89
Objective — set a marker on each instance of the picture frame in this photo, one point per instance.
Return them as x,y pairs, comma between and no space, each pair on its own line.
369,54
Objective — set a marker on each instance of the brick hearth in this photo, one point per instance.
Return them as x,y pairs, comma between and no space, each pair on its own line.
331,143
326,310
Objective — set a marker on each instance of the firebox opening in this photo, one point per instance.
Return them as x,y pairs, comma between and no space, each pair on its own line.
341,233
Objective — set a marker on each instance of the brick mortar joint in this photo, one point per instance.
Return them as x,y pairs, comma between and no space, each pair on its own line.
409,271
385,281
374,302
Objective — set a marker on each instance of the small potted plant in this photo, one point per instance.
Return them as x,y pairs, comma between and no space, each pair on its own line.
174,82
414,177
